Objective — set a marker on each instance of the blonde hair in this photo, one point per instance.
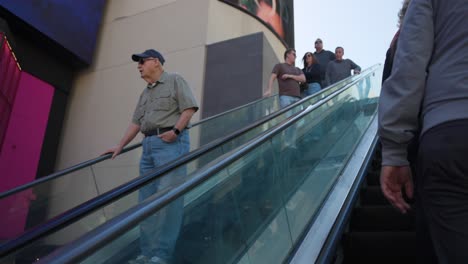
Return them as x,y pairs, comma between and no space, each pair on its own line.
402,12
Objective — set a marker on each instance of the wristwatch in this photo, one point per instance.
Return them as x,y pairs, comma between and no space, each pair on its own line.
176,131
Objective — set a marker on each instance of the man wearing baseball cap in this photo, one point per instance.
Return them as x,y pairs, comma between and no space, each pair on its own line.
162,114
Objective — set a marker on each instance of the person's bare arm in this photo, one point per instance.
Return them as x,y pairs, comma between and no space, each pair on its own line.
298,78
270,85
394,180
129,135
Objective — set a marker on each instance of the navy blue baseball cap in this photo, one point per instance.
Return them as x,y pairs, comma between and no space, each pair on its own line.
151,53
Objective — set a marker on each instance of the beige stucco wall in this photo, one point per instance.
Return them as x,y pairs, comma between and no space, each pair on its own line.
103,96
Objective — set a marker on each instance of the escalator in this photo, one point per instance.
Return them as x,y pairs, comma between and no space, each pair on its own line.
277,183
377,232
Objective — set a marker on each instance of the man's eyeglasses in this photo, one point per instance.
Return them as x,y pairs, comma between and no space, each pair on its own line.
142,61
317,42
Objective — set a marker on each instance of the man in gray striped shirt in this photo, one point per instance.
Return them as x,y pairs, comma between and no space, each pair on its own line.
428,91
340,68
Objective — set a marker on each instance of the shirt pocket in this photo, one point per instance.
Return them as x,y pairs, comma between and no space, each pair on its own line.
162,102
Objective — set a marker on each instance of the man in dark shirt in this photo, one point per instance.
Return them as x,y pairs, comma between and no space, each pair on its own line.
324,57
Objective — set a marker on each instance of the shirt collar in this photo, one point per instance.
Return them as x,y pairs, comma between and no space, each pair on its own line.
162,79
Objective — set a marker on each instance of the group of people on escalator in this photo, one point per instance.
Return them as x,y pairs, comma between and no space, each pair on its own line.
321,69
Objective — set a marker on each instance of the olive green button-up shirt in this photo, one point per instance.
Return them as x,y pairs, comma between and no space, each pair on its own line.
161,103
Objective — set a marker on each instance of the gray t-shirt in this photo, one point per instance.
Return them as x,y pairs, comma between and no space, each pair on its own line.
162,103
338,70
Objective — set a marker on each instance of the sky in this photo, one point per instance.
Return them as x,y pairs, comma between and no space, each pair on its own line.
363,28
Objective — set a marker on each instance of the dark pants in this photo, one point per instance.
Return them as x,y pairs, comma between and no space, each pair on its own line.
442,192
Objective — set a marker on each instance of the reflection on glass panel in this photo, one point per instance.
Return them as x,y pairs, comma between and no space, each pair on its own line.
44,202
255,209
273,243
257,194
244,260
112,173
64,194
232,214
119,251
209,219
52,198
232,121
36,250
344,122
55,197
15,210
209,216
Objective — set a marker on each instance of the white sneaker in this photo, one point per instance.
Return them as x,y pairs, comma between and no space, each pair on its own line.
141,259
157,260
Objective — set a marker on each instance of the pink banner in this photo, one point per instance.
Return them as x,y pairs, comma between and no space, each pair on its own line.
9,79
21,150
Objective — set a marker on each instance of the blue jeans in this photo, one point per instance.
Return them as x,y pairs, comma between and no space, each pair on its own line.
364,88
286,100
159,232
289,134
313,88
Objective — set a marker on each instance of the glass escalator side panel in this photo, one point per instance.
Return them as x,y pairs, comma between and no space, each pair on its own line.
318,131
63,193
51,198
256,208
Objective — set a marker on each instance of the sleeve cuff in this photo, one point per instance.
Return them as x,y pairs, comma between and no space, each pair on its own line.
394,155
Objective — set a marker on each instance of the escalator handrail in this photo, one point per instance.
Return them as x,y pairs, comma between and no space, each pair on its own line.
235,109
132,147
110,230
329,247
108,156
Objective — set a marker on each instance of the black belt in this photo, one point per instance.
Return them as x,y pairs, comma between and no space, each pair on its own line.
157,131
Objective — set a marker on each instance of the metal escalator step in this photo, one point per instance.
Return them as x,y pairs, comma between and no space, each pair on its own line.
372,195
379,247
381,218
373,178
34,252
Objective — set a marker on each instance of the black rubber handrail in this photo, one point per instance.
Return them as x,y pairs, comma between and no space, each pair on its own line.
329,247
82,210
95,239
90,162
